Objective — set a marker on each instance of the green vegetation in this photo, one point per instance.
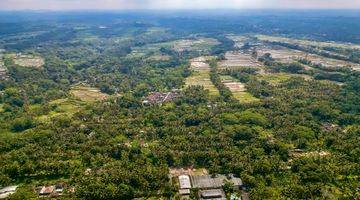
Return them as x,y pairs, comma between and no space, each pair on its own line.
82,119
275,78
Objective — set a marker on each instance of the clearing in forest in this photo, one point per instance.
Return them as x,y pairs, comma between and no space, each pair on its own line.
238,89
89,94
238,59
201,75
60,107
28,60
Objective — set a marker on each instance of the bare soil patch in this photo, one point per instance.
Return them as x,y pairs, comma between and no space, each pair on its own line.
28,61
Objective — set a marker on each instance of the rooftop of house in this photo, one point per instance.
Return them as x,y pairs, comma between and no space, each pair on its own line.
213,181
46,190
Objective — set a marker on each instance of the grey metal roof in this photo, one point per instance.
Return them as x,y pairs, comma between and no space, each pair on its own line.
209,181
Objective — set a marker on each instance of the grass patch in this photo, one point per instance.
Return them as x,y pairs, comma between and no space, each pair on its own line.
88,94
275,78
244,97
29,61
64,106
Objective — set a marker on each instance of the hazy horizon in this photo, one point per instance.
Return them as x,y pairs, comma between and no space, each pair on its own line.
175,4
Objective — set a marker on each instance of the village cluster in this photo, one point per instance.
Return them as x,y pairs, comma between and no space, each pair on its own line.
42,191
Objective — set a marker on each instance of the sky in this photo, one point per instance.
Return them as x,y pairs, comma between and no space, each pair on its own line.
175,4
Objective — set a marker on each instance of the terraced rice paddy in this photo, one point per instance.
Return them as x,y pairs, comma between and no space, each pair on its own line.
238,89
201,76
237,59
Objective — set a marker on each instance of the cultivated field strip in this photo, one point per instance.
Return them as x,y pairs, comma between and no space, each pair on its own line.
238,89
307,42
235,59
286,55
201,76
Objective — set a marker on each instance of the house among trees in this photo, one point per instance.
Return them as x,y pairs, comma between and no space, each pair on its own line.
46,191
185,185
215,181
209,186
53,190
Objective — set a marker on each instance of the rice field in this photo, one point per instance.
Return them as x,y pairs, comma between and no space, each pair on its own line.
307,42
286,55
201,76
88,94
202,79
238,89
199,45
236,59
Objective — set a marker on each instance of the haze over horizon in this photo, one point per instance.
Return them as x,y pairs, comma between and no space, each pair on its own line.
175,4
